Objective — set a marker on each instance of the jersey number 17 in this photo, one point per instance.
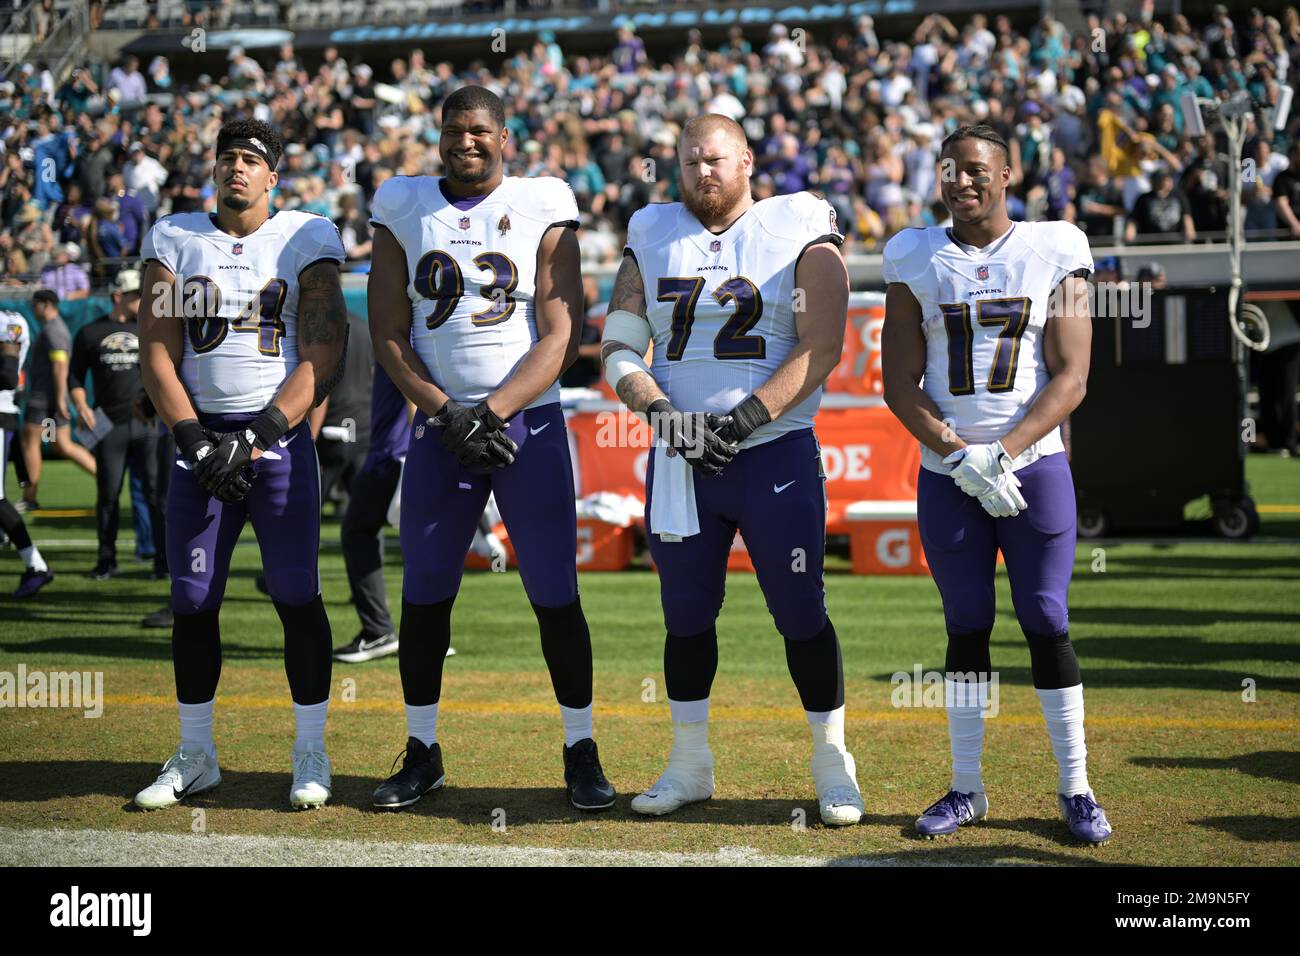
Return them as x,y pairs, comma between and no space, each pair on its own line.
1013,317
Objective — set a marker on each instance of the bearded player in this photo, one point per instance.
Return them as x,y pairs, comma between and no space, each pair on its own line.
718,283
243,330
986,348
475,309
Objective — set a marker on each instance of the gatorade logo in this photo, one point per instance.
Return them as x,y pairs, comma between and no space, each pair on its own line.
894,548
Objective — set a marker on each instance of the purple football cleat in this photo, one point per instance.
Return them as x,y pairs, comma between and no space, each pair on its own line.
1086,819
32,581
954,809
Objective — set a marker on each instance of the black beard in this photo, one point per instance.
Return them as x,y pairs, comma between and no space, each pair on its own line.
471,179
235,203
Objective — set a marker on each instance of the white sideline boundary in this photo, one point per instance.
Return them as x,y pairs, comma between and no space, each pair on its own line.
64,847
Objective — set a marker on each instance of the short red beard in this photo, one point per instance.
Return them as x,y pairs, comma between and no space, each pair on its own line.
715,205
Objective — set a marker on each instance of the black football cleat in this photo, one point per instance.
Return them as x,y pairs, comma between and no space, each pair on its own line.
584,782
421,772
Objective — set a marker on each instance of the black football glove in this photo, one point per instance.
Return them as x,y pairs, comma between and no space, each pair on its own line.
746,417
227,471
693,435
194,441
476,436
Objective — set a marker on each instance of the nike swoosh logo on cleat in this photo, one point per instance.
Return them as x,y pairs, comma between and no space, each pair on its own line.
180,793
780,488
538,431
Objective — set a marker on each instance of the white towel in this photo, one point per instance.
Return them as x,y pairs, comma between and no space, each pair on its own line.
673,513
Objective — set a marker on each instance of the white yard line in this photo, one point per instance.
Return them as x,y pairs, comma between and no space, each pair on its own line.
28,847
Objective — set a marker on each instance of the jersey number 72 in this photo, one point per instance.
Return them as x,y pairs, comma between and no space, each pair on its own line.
1011,314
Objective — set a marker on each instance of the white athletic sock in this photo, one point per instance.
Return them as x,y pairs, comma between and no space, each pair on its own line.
827,730
32,558
689,711
422,723
196,726
309,719
577,724
1063,712
965,703
690,726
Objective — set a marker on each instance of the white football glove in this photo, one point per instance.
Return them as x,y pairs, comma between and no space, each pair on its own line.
1005,500
975,468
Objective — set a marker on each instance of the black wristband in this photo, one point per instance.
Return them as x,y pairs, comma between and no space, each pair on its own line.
750,415
189,435
268,427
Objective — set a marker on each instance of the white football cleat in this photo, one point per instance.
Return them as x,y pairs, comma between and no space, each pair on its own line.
835,776
311,779
688,778
185,774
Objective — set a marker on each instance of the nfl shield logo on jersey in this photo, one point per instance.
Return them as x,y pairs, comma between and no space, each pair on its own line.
237,249
715,245
464,222
982,272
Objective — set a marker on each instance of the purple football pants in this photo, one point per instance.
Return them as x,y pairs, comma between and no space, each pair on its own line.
442,501
961,542
774,495
284,506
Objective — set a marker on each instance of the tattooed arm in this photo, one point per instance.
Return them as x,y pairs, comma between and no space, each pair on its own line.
637,390
322,342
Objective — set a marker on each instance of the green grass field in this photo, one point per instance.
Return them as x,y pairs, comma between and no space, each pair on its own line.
1190,772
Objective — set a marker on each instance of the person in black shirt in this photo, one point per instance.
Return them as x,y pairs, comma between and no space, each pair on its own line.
107,351
1205,183
1286,193
342,420
1162,212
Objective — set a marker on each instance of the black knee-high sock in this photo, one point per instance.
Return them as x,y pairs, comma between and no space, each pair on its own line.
969,653
424,635
1052,661
690,664
12,523
196,656
566,645
308,656
817,670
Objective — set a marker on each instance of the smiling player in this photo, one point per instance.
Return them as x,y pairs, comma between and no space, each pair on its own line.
475,309
985,352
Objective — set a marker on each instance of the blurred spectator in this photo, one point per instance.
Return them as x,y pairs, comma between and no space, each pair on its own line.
105,239
64,277
1161,212
128,80
131,218
32,234
144,177
1286,193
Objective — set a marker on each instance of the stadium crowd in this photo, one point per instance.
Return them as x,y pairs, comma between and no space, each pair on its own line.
90,161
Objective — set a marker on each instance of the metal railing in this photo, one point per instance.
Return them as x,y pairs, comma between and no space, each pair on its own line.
63,46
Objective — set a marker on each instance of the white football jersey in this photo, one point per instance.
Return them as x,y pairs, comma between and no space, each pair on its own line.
472,275
983,312
722,307
239,297
13,328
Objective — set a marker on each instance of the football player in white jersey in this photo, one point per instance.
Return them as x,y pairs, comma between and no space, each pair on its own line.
475,309
986,349
745,303
14,342
243,331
